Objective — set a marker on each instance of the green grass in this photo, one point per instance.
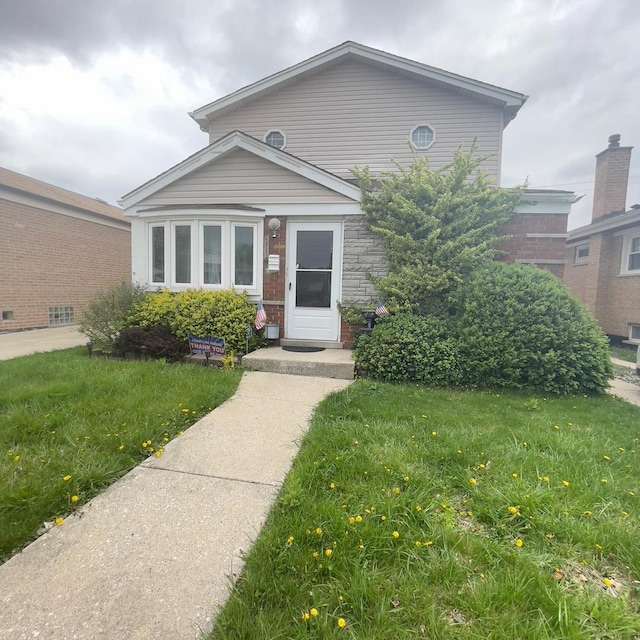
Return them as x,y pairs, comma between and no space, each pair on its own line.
461,478
628,353
71,425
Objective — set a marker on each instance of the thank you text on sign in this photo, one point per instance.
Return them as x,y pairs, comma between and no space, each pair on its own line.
203,346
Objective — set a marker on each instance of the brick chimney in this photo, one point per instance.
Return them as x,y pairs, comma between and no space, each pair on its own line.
612,177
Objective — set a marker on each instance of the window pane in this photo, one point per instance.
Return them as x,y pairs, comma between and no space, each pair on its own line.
212,254
243,274
275,139
157,254
635,245
634,262
313,289
422,137
314,249
183,254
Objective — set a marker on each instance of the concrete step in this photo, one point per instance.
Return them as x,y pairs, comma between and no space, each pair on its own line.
330,363
323,344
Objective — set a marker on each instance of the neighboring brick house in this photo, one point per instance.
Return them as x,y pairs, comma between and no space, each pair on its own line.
603,257
270,205
58,249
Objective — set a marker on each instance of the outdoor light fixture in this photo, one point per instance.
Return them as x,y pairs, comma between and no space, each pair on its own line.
274,225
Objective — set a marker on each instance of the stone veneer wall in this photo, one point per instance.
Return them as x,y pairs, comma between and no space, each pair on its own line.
363,253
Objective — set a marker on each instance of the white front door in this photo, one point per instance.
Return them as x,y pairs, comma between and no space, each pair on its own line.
314,275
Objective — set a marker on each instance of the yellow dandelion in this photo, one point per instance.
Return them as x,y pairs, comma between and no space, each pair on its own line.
607,458
473,481
396,535
624,514
434,433
603,481
358,518
314,613
328,552
418,508
352,520
549,536
305,616
59,521
16,458
606,582
342,623
315,554
427,543
66,478
459,451
514,475
74,499
406,478
319,531
290,540
417,543
545,478
565,483
518,543
597,547
332,485
513,510
383,518
121,447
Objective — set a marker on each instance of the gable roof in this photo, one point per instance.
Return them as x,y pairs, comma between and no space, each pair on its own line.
240,140
19,183
511,101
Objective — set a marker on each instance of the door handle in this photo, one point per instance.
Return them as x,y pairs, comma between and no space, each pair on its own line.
289,286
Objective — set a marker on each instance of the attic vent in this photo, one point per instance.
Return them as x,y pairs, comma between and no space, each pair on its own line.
275,139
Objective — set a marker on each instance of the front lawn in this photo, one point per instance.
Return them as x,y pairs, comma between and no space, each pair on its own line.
412,513
71,425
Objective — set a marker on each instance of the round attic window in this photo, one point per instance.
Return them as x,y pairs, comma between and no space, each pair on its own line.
275,139
422,137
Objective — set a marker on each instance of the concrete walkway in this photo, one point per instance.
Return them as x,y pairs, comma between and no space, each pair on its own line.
24,343
623,389
154,555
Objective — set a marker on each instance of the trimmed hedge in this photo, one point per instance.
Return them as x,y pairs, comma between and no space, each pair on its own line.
515,326
408,348
518,326
223,314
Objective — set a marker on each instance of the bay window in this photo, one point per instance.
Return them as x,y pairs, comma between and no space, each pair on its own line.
208,254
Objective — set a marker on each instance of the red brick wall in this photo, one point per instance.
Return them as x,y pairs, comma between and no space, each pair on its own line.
529,245
53,260
273,287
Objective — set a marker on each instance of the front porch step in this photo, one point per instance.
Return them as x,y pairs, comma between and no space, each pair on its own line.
324,344
330,363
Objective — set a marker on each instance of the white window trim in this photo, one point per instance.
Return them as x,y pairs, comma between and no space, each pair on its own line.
584,259
197,253
631,338
167,239
418,126
282,133
182,285
626,252
224,258
232,261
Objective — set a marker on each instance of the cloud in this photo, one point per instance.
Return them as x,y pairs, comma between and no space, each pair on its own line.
94,95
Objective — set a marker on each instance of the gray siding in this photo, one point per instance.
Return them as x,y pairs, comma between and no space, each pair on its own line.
356,114
363,253
241,177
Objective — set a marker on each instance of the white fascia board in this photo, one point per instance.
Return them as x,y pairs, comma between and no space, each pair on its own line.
506,96
197,214
239,140
307,210
546,203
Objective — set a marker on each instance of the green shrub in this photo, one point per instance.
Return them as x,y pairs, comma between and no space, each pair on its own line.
222,314
518,326
108,313
409,348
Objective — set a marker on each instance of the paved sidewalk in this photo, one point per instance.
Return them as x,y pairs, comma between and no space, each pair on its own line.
623,389
151,557
24,343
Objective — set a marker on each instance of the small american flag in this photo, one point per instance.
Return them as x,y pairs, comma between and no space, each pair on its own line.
261,316
381,310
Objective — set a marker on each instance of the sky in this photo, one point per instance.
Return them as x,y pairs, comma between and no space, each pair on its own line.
94,95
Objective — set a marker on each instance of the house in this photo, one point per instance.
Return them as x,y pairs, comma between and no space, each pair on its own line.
58,249
603,257
270,206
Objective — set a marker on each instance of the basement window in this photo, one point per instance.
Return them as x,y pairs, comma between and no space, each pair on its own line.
7,315
60,315
581,255
634,333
